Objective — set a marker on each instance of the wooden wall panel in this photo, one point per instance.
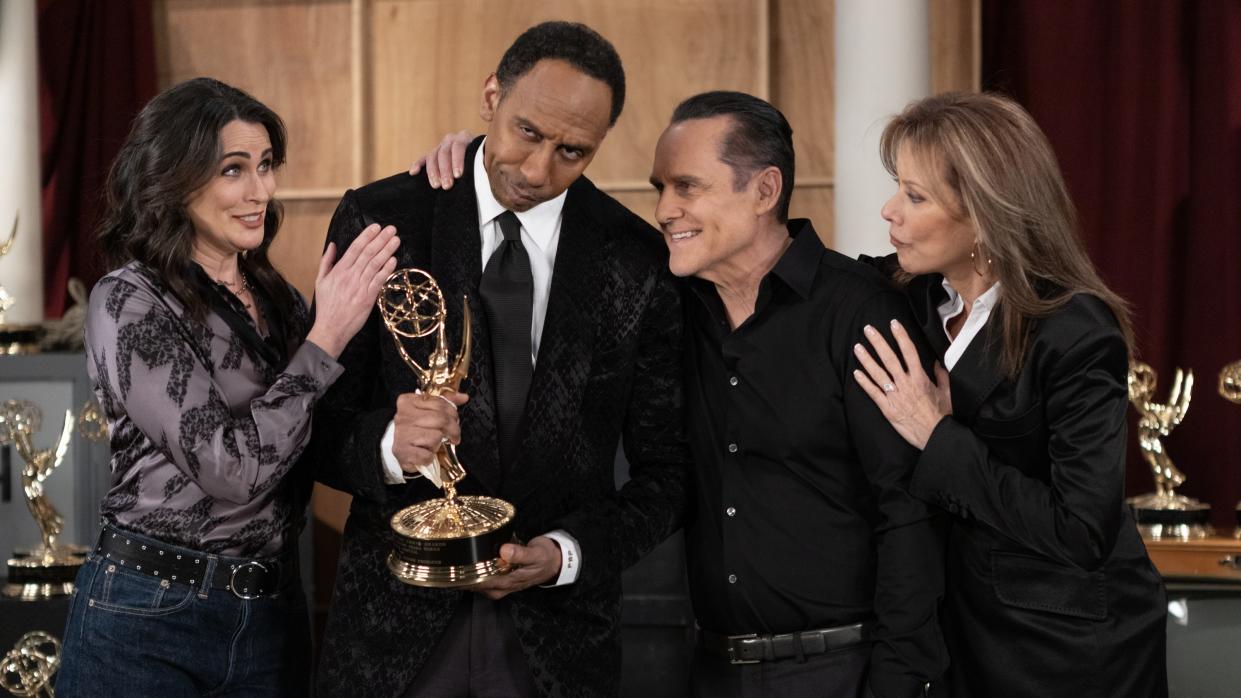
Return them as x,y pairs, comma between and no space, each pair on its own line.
671,49
956,53
292,56
803,80
299,245
817,204
422,62
803,50
641,202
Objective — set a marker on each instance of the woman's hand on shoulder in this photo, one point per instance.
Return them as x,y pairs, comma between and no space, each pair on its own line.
345,290
446,161
911,401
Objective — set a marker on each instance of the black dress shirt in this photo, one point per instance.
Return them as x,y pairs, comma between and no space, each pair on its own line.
802,517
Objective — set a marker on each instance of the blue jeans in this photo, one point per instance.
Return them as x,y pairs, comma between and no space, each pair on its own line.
131,634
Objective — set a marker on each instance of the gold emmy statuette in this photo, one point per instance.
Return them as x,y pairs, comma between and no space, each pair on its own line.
15,338
92,425
1230,390
28,668
1230,382
47,569
1164,514
454,540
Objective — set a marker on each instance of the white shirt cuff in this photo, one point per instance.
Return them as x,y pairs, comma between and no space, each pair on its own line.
570,558
393,475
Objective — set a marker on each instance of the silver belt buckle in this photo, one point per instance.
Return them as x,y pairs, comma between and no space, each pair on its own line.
245,593
732,649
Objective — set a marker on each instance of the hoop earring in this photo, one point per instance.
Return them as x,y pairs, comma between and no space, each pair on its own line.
975,255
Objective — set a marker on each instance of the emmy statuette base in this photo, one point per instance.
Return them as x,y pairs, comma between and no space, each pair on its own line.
445,576
455,542
1171,517
19,339
39,574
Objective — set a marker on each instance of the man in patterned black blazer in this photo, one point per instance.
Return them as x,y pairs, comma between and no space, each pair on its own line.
605,330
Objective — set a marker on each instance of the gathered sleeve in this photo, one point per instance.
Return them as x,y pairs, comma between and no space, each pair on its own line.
153,368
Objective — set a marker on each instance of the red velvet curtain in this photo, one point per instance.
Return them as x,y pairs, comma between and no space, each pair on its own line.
1142,103
96,70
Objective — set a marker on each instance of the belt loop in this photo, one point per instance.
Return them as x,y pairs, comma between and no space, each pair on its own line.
801,652
204,584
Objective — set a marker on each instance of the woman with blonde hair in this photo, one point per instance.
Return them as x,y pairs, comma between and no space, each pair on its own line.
1022,429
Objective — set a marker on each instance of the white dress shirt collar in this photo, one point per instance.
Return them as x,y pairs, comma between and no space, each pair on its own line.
977,319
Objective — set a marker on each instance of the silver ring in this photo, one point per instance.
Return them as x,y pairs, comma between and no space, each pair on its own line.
888,387
444,439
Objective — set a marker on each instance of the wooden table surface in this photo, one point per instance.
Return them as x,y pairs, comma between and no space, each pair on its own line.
1216,558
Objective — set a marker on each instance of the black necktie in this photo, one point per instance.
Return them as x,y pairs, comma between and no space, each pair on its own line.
507,292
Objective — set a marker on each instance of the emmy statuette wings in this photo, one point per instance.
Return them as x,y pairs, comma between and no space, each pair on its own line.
453,540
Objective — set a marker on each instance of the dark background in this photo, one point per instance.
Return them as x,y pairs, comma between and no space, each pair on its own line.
1141,100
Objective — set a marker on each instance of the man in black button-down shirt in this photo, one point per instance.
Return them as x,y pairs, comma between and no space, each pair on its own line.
802,519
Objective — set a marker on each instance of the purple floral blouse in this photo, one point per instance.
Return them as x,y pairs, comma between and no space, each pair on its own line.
205,431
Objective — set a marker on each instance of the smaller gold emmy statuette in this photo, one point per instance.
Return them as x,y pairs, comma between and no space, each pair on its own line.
1164,514
15,338
47,569
1230,390
28,668
454,540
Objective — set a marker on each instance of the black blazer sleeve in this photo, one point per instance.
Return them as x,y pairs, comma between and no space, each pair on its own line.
908,650
350,421
617,532
1072,392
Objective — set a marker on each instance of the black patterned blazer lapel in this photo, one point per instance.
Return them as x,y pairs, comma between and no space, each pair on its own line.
456,264
565,348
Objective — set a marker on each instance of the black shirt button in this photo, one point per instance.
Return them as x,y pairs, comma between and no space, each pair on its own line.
732,448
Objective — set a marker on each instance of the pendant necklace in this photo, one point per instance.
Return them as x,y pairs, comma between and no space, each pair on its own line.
245,288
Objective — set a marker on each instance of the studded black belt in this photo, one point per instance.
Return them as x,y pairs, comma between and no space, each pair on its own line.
246,578
751,649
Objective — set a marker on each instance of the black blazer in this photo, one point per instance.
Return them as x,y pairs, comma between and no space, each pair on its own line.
1049,588
608,369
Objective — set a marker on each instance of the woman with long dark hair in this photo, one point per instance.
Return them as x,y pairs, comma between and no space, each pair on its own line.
1022,430
207,366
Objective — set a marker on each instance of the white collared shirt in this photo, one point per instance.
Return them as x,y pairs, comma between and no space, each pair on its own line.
979,312
540,234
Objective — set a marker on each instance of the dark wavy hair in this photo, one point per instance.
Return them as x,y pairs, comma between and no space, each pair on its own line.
173,150
572,42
